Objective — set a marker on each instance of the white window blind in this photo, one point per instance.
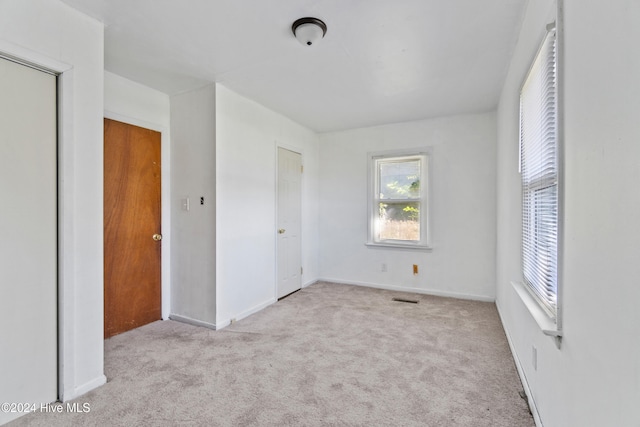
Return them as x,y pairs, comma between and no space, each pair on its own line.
539,171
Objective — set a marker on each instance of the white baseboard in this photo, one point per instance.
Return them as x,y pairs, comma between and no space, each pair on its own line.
414,290
190,321
223,324
523,378
85,388
256,308
246,313
309,283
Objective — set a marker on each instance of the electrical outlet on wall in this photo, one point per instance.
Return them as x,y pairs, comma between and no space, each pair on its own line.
383,267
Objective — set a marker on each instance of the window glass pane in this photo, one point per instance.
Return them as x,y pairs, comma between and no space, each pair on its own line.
398,221
399,179
539,168
540,234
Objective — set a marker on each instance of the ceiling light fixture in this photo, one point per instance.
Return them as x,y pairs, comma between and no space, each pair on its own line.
309,30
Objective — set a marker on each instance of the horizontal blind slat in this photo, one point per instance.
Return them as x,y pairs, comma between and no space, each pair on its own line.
539,170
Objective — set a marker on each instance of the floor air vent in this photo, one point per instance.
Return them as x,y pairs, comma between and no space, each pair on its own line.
410,301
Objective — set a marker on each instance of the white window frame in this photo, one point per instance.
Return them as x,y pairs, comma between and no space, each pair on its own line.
373,199
541,266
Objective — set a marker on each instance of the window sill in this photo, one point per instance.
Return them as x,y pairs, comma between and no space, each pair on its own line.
400,246
547,324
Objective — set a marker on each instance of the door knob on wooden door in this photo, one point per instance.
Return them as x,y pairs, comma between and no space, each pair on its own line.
157,237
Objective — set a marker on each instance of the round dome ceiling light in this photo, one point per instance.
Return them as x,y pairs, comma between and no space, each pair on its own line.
309,30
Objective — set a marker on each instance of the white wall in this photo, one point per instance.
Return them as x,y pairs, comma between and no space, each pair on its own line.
130,102
193,232
594,378
50,33
462,197
246,137
134,101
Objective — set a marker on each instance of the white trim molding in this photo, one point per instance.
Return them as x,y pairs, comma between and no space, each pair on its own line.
85,388
437,293
547,325
374,160
190,321
246,313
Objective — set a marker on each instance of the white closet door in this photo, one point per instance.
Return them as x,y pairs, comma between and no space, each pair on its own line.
28,238
289,222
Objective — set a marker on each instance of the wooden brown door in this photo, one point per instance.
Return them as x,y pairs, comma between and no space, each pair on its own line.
132,230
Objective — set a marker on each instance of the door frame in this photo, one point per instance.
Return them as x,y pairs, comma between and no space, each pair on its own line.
165,206
298,150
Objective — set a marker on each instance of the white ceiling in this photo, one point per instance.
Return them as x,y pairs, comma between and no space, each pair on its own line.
381,61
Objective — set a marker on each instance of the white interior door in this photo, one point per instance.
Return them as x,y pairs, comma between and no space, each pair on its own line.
289,221
28,238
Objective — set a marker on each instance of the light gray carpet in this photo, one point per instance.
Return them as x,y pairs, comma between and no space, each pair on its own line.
328,355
